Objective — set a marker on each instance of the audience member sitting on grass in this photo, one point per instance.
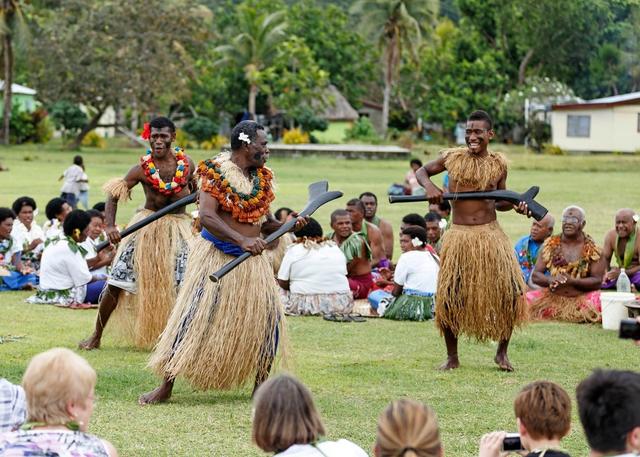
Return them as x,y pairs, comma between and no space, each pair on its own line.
369,232
528,246
100,206
370,202
434,230
412,220
286,422
543,418
444,210
56,210
407,428
314,272
13,406
570,292
59,386
609,409
282,214
14,275
28,232
95,235
623,243
357,252
415,279
65,279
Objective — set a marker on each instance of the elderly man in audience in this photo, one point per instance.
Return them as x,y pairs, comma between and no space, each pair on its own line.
623,243
27,232
13,406
356,250
575,266
14,275
368,231
528,246
370,202
314,272
433,222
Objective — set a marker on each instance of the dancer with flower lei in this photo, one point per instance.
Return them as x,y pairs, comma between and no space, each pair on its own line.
569,268
221,334
150,263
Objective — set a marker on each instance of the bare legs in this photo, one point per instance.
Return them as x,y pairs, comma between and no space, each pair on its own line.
158,395
108,304
452,362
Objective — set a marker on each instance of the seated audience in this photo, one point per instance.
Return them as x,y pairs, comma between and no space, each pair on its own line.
408,428
356,250
56,210
28,232
95,236
100,206
443,209
575,266
282,214
59,386
411,186
412,220
543,418
434,230
314,272
369,232
286,422
528,246
65,279
609,409
623,243
13,406
415,279
14,275
370,202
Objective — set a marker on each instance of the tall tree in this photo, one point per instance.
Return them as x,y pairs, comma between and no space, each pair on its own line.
395,25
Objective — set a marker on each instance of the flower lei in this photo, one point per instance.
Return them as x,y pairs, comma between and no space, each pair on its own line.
247,208
153,175
557,264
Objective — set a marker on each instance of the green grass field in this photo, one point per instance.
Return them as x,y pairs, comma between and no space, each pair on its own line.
353,369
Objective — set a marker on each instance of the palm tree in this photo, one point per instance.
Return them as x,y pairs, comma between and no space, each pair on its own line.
395,25
254,47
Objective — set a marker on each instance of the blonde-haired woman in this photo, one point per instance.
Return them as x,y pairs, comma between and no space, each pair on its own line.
59,386
286,422
408,428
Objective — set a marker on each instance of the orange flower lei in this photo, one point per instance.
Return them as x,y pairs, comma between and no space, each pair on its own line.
247,208
557,264
153,175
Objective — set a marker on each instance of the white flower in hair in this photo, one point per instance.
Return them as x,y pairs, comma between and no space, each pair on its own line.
244,137
636,218
416,242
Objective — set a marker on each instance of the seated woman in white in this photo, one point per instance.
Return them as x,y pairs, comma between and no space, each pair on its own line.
65,278
95,235
415,278
314,272
28,232
56,211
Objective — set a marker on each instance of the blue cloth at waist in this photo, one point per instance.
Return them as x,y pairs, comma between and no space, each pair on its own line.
418,293
224,246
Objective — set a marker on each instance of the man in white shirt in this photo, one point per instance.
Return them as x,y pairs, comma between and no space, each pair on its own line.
72,176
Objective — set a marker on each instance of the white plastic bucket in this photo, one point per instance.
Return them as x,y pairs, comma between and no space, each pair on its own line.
614,309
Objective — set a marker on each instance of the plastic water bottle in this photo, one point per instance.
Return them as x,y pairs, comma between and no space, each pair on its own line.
623,284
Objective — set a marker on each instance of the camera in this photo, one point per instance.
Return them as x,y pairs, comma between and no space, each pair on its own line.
630,329
512,442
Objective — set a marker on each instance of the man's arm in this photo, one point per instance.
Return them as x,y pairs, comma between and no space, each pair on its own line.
377,244
387,237
538,277
132,178
283,284
397,290
423,175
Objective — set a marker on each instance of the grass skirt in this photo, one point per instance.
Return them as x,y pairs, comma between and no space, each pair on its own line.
480,285
221,334
585,308
409,308
159,250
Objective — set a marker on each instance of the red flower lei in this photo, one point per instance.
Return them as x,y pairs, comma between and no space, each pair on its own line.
153,175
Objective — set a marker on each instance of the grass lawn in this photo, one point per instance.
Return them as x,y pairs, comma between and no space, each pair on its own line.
353,369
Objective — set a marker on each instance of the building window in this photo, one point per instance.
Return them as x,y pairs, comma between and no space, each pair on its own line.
578,126
638,122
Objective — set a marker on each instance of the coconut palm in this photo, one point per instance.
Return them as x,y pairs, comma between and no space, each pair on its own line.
254,47
394,25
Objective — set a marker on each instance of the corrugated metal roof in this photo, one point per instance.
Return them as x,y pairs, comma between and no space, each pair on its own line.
616,98
19,89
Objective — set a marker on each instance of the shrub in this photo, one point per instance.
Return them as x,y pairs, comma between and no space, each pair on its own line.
200,128
552,149
67,117
29,127
309,122
215,143
181,139
295,136
93,140
362,129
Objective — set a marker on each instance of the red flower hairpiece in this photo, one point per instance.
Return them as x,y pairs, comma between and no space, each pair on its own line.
146,131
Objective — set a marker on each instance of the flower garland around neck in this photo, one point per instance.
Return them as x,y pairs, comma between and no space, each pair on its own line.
246,208
557,264
74,246
153,174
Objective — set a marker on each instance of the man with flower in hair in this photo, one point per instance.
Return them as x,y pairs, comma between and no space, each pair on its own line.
623,243
150,263
221,334
569,270
480,287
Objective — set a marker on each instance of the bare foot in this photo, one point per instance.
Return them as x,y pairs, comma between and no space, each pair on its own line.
503,362
451,364
93,342
28,286
157,395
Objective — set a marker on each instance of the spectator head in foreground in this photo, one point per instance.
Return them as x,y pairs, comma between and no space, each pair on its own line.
408,428
609,409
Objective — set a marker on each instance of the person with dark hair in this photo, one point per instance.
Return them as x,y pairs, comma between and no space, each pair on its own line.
56,211
434,230
100,206
13,274
281,214
287,423
370,202
27,232
609,410
411,185
528,247
314,274
464,302
149,264
412,220
95,235
72,178
65,279
356,250
239,342
368,231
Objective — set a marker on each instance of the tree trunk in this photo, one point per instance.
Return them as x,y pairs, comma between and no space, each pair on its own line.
8,80
93,123
385,106
253,92
522,71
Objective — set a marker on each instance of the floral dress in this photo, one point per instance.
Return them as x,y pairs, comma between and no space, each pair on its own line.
51,443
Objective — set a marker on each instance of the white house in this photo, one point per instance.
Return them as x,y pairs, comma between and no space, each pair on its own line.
599,125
